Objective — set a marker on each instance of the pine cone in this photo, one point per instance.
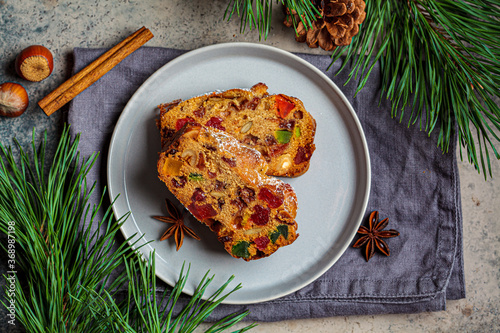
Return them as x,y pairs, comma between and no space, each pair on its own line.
338,23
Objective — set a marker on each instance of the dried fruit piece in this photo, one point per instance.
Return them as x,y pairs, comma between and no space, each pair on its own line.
261,242
272,200
181,122
287,124
200,112
13,99
283,136
241,249
277,149
303,155
252,105
246,194
283,106
298,114
202,212
296,132
270,140
198,195
281,230
195,176
172,167
260,215
215,122
34,63
179,182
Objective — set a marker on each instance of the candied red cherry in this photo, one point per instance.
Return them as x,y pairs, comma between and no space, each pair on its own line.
206,211
215,122
261,242
202,212
181,122
272,200
260,215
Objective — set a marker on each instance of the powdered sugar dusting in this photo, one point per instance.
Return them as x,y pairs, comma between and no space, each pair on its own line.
255,167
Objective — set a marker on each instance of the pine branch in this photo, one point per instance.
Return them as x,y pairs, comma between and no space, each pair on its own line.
63,269
440,61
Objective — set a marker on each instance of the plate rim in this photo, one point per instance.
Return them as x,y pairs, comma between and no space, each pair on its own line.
235,45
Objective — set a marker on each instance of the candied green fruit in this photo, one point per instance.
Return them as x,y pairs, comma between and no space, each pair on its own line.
241,249
283,136
282,229
296,131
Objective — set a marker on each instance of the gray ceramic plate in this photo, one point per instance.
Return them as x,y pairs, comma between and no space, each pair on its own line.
332,195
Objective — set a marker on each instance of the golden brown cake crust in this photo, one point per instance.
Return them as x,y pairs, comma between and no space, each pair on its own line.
224,185
276,125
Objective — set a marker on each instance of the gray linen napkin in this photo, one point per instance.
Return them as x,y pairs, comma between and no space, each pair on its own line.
413,183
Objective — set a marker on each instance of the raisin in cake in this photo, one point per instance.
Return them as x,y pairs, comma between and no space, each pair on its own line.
276,125
224,185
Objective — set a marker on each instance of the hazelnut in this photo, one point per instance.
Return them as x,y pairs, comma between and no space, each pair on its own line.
285,162
13,99
34,63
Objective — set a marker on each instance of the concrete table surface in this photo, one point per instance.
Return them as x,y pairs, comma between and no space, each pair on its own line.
190,24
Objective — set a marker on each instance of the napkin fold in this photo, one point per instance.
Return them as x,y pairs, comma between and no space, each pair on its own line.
413,183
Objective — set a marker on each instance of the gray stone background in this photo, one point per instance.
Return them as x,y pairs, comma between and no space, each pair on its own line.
189,24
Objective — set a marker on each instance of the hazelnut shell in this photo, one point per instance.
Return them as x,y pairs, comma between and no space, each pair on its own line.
34,63
13,99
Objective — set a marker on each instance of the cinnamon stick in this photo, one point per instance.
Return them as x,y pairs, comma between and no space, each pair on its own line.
93,72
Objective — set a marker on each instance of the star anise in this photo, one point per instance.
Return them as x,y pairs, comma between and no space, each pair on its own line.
373,236
178,229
